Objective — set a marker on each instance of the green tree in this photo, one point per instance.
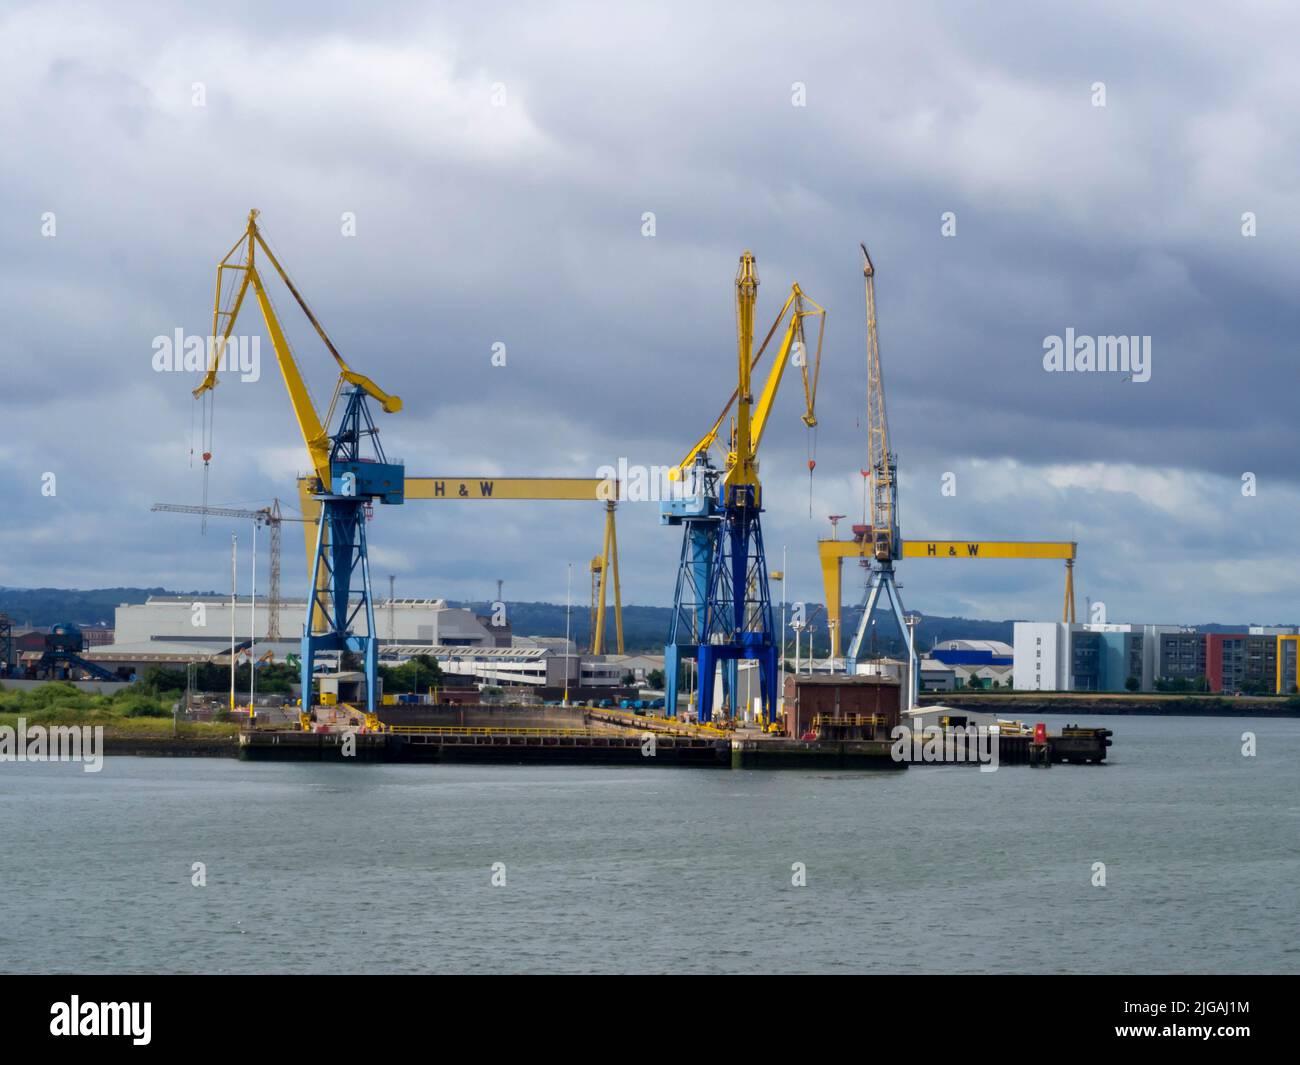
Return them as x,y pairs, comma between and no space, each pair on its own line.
417,674
1132,684
161,679
1256,687
655,679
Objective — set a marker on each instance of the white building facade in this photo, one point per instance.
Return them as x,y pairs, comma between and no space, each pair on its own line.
1041,651
1057,656
171,618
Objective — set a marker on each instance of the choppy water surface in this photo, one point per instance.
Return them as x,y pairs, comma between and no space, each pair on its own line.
342,868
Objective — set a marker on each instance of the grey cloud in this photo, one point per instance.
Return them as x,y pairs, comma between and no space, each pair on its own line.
1115,220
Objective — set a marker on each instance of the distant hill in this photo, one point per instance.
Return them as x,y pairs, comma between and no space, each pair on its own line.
644,627
48,606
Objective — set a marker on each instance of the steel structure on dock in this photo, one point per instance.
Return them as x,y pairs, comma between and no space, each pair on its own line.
886,543
340,574
722,606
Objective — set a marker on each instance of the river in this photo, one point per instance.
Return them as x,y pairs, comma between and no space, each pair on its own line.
312,867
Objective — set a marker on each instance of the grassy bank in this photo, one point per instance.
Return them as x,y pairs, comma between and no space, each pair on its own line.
1171,703
134,712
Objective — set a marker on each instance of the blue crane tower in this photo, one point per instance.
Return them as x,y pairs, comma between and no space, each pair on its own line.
340,572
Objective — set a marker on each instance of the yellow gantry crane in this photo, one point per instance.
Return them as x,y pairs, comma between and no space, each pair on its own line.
483,489
832,553
603,567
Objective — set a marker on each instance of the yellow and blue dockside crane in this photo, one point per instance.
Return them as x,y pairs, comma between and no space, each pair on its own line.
722,609
350,470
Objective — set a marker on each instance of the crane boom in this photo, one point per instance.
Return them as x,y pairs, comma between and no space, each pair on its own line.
742,471
883,461
241,260
797,306
794,336
261,515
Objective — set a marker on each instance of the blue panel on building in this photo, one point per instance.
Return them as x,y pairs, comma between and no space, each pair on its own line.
971,658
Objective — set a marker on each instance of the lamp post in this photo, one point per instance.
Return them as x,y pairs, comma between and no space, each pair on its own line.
913,666
568,610
780,698
234,589
252,633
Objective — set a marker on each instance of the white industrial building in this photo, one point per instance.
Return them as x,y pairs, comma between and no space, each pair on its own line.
173,630
179,618
937,676
536,661
974,663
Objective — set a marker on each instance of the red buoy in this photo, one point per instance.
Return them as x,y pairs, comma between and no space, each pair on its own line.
1040,733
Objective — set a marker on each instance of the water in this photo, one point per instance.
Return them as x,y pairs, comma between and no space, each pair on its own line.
366,868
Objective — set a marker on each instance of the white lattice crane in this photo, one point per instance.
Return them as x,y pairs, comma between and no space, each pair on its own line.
268,516
886,544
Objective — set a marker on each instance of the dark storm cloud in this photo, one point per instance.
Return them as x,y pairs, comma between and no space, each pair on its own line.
522,225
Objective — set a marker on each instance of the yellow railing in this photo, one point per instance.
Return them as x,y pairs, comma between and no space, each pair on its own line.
857,720
455,730
687,727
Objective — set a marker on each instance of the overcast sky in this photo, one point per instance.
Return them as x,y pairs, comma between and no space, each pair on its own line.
498,164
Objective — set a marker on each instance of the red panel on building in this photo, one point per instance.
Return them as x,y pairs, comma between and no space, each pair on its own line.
1214,657
1214,660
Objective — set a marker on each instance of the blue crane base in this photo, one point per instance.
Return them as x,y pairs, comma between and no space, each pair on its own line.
722,610
708,656
341,551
